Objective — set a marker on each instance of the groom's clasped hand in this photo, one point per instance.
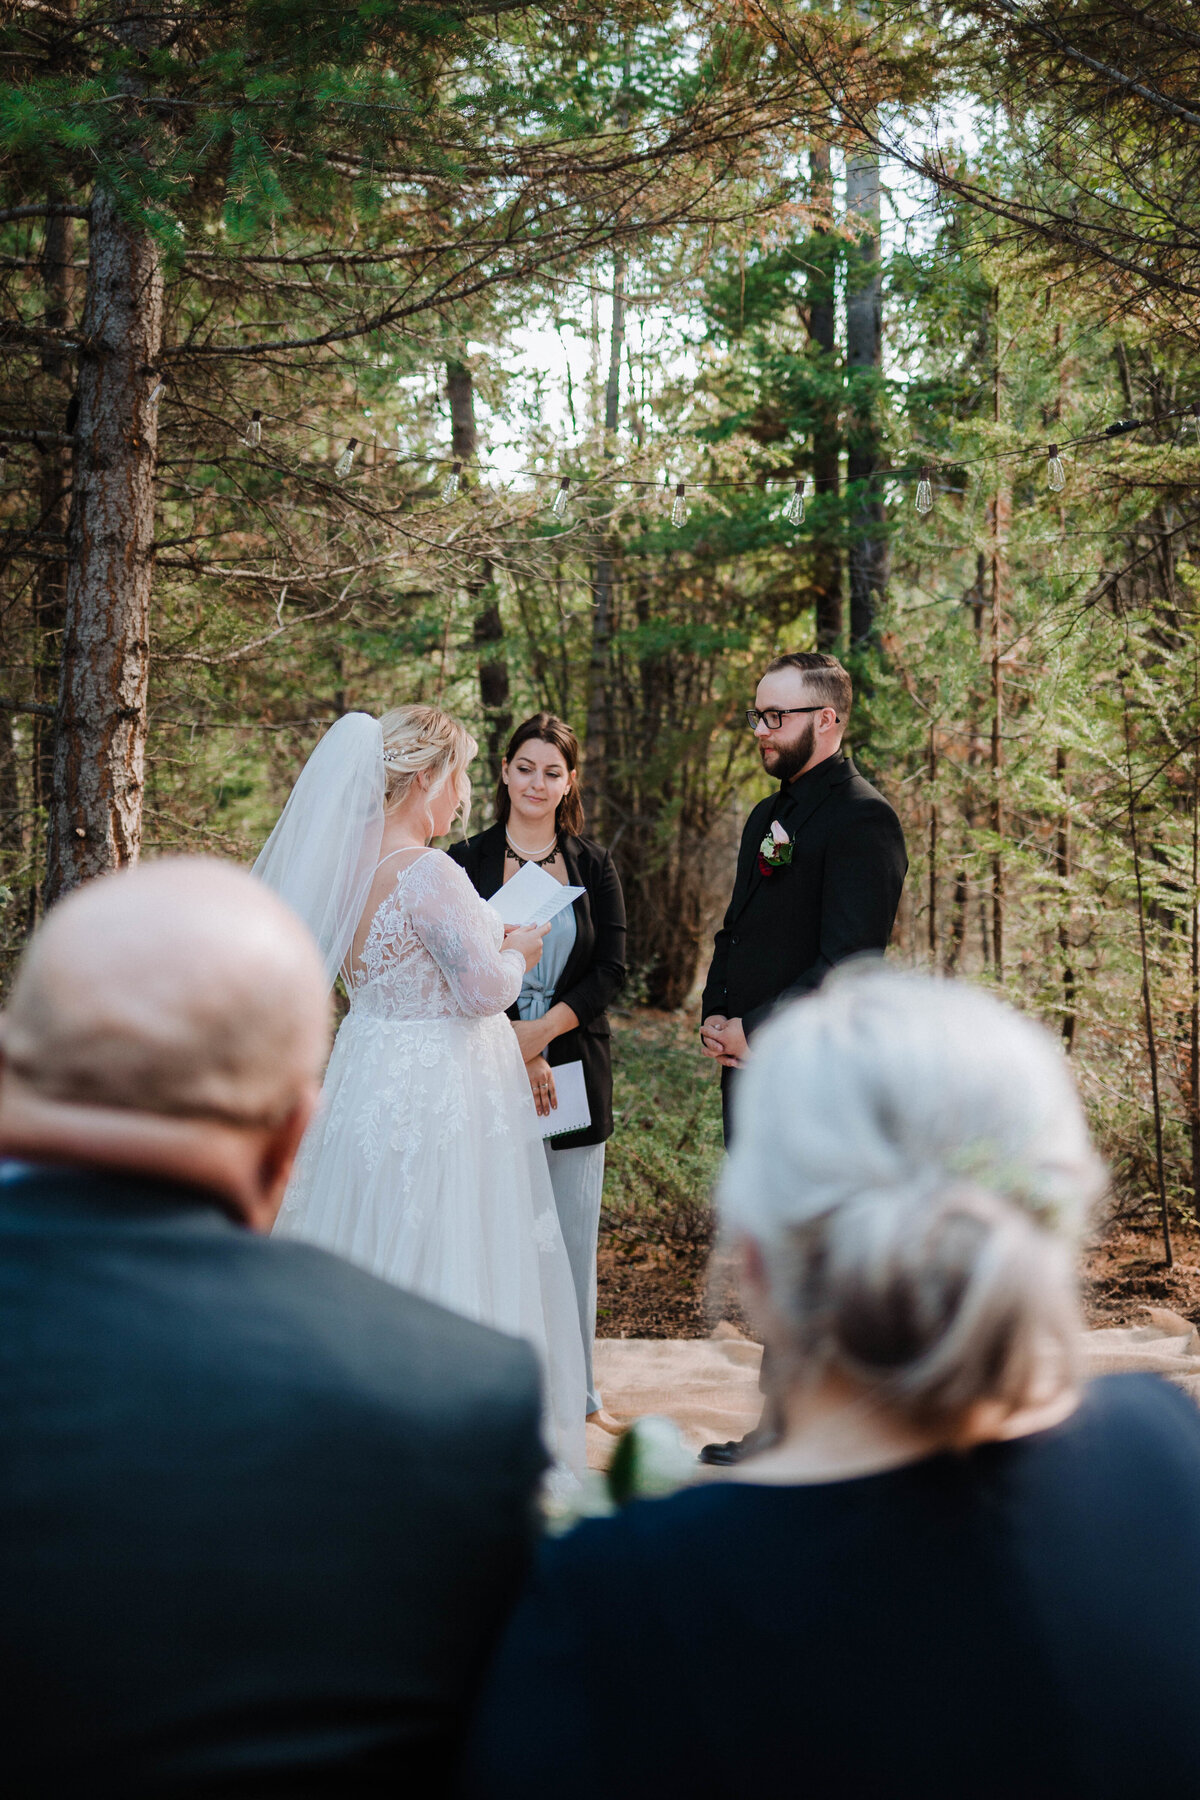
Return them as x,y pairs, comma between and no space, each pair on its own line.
725,1040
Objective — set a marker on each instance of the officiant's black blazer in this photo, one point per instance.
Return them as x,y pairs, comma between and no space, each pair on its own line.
837,897
595,971
261,1515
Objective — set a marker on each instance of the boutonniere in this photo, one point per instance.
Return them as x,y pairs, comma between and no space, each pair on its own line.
775,851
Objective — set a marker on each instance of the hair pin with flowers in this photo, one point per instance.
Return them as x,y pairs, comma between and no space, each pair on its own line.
775,851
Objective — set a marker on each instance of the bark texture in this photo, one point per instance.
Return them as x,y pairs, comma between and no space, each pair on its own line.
487,626
599,714
826,449
54,497
100,745
864,357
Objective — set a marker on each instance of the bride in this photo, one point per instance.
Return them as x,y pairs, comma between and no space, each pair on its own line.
425,1163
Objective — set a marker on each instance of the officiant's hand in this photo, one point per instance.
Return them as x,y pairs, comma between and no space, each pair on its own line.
528,940
532,1037
541,1080
710,1034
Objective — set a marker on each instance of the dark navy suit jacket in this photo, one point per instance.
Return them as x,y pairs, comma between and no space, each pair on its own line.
261,1515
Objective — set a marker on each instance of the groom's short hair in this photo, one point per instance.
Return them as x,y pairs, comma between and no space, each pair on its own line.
826,678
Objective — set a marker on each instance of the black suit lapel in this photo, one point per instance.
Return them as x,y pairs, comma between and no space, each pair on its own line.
793,810
749,875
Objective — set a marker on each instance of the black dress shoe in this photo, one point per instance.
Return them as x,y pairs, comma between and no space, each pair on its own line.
723,1456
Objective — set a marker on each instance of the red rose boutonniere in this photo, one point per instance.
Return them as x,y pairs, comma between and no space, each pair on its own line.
775,851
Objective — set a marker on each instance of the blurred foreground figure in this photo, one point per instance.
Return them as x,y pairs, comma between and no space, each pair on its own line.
958,1575
260,1513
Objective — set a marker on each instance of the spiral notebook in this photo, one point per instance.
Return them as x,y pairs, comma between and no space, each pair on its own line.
572,1112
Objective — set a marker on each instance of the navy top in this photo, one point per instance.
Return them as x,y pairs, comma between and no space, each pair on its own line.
1019,1621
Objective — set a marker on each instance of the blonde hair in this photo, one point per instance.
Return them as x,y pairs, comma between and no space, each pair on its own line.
421,739
912,1160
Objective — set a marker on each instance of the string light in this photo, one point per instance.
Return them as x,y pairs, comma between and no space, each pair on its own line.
1056,475
793,511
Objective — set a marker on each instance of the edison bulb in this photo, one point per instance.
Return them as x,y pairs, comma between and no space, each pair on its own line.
558,505
793,512
924,493
451,483
679,511
345,461
1056,475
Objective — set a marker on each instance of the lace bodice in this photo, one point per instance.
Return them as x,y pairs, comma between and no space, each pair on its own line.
433,950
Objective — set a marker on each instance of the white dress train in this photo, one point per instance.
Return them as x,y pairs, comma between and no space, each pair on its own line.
425,1164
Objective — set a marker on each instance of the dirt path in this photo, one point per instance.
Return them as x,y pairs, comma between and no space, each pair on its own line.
653,1289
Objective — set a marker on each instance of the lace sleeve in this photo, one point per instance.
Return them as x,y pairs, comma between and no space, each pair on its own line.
463,936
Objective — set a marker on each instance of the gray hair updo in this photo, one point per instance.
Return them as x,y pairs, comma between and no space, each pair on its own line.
912,1160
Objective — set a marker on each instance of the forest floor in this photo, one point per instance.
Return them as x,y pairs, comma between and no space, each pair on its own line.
657,1275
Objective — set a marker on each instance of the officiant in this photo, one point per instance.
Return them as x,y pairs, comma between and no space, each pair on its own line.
560,1015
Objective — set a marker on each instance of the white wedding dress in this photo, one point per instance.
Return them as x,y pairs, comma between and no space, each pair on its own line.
425,1164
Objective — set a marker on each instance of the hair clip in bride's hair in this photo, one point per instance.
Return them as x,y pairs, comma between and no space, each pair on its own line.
393,759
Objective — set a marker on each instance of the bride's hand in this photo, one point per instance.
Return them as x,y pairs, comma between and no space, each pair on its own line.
541,1080
528,940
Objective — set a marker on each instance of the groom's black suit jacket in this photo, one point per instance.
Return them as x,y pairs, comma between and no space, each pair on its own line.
261,1515
837,897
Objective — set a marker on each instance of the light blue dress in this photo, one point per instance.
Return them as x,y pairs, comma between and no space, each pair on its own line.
577,1176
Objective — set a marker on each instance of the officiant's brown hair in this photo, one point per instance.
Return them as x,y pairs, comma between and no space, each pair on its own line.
550,729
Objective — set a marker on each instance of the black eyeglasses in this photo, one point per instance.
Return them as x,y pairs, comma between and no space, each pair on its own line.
773,716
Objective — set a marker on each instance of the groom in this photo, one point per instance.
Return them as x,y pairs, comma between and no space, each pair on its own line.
819,875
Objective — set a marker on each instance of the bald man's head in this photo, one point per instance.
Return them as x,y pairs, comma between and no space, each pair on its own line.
182,987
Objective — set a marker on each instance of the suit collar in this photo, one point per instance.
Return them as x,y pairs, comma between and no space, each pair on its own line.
64,1191
835,769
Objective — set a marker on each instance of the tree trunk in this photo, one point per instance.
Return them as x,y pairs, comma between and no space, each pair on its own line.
100,748
50,585
864,359
487,628
1147,1001
932,771
823,251
599,671
1062,866
1000,512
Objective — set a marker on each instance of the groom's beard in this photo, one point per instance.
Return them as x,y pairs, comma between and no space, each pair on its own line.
788,761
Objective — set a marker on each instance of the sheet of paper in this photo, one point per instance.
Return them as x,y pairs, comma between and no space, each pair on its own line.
532,897
572,1112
